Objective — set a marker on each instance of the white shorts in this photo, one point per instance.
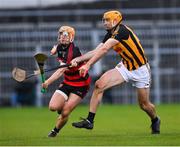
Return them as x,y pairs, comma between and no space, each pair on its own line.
140,78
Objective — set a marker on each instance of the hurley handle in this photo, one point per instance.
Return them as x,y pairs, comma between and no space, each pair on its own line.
43,90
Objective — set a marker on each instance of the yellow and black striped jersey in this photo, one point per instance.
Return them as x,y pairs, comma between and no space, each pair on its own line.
129,47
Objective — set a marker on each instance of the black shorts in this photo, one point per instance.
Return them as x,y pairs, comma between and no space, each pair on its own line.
80,91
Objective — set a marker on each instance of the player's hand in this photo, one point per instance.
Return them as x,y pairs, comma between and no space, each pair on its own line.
83,70
74,62
54,50
45,85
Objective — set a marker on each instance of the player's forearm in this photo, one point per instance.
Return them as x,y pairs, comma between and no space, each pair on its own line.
55,76
97,56
102,50
89,54
86,56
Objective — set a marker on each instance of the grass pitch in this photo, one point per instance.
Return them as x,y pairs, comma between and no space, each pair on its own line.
114,125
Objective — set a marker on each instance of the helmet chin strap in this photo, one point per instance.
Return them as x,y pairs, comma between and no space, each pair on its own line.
113,24
71,38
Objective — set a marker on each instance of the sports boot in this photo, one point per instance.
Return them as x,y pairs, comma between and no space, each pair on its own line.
52,134
85,123
155,126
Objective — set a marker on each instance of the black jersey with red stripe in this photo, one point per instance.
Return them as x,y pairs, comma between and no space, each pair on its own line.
71,76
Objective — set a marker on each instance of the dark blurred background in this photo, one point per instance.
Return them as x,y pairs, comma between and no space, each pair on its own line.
30,26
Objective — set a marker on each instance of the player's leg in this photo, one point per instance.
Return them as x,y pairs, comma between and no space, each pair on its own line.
75,97
107,80
142,78
149,108
68,107
57,102
59,98
144,103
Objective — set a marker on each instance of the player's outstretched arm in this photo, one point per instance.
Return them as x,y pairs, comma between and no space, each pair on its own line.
86,56
97,55
102,51
56,75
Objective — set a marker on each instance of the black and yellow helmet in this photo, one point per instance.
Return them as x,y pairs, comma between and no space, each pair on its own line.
112,16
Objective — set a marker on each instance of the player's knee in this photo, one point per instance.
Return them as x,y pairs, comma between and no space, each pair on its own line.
99,85
53,107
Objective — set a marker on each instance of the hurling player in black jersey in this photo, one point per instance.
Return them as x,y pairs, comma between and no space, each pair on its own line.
74,87
133,67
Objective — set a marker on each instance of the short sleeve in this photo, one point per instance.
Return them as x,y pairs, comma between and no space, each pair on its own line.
106,37
123,33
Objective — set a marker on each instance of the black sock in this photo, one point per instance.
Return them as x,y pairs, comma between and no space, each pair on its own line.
56,130
91,117
154,120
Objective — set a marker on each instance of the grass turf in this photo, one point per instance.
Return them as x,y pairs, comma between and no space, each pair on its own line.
114,125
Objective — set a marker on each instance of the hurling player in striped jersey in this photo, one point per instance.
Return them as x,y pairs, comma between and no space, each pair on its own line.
74,87
133,68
